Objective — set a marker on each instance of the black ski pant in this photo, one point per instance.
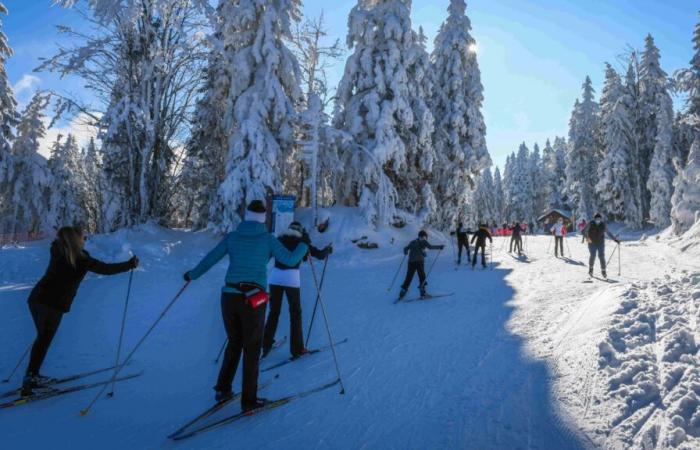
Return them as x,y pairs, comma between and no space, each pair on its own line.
244,328
46,320
600,250
476,254
558,245
413,267
295,327
518,241
460,245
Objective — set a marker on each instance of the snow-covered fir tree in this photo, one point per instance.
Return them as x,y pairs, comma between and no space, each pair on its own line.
460,130
142,63
482,203
67,193
8,120
583,154
518,186
29,179
537,184
374,106
91,177
614,188
498,199
263,92
686,196
553,163
656,151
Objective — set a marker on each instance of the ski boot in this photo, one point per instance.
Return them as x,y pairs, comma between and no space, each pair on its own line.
590,272
303,352
605,274
402,294
259,403
223,395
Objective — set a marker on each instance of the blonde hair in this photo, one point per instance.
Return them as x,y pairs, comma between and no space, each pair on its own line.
68,241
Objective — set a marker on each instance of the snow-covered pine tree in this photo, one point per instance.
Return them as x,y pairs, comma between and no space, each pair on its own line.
30,178
614,187
656,151
67,193
262,96
509,174
374,107
91,178
482,204
537,184
686,196
522,200
555,173
583,155
683,135
8,120
143,66
498,199
460,130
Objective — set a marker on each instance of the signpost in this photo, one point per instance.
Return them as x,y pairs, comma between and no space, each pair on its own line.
281,213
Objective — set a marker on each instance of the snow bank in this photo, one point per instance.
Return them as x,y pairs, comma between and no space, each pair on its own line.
651,366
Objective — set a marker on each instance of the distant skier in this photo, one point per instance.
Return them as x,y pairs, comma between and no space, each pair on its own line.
416,262
516,238
462,241
594,234
559,232
480,237
54,293
285,279
243,297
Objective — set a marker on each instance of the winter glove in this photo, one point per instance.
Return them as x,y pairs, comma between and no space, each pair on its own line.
134,261
187,277
452,233
329,249
442,247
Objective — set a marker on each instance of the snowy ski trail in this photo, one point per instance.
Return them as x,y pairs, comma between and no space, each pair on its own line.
509,361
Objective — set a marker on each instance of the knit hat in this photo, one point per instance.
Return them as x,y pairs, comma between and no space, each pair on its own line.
296,226
422,234
598,216
256,212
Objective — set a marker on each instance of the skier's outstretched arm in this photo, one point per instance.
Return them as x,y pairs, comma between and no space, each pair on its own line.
103,268
213,257
286,257
611,236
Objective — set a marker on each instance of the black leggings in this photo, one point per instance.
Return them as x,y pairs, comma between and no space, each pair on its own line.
295,327
476,254
460,245
46,320
559,245
244,328
413,267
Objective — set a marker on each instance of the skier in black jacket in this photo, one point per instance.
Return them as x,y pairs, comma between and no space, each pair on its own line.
286,280
416,262
462,241
53,295
480,238
594,233
516,238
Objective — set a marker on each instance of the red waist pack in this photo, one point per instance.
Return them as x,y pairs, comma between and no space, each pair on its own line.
254,294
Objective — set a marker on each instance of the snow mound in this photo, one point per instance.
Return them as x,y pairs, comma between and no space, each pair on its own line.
650,363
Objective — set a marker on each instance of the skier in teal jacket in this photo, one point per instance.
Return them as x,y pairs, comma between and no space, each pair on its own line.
244,296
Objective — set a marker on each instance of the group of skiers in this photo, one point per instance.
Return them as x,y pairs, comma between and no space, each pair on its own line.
245,292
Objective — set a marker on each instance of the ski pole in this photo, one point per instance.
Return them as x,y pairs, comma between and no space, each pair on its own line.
396,274
218,356
454,252
110,394
19,363
549,247
491,255
611,256
85,411
432,265
328,327
619,259
318,296
567,247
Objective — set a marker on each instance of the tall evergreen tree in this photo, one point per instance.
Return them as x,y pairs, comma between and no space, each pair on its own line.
614,186
460,129
537,184
583,155
67,193
498,196
8,120
686,197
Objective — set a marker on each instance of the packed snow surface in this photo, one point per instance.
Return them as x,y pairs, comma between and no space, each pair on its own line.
528,355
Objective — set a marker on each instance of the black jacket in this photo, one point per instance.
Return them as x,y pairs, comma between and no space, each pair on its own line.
517,230
290,239
481,236
462,235
596,233
416,249
58,286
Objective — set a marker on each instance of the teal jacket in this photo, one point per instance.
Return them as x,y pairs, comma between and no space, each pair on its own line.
249,249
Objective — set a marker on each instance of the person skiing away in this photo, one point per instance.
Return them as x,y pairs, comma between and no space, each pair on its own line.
243,298
594,235
462,241
516,238
559,232
480,237
53,295
531,228
416,262
283,280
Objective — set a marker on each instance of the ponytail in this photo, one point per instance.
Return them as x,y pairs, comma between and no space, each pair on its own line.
68,242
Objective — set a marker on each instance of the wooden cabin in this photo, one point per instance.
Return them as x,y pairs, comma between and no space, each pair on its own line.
550,218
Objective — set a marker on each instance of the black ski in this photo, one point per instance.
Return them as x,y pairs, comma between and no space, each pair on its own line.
270,405
309,353
61,380
429,297
58,392
212,410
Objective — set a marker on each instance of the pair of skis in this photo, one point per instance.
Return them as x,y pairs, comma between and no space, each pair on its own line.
309,353
50,392
185,431
423,297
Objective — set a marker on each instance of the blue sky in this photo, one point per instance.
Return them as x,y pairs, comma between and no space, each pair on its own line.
533,54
